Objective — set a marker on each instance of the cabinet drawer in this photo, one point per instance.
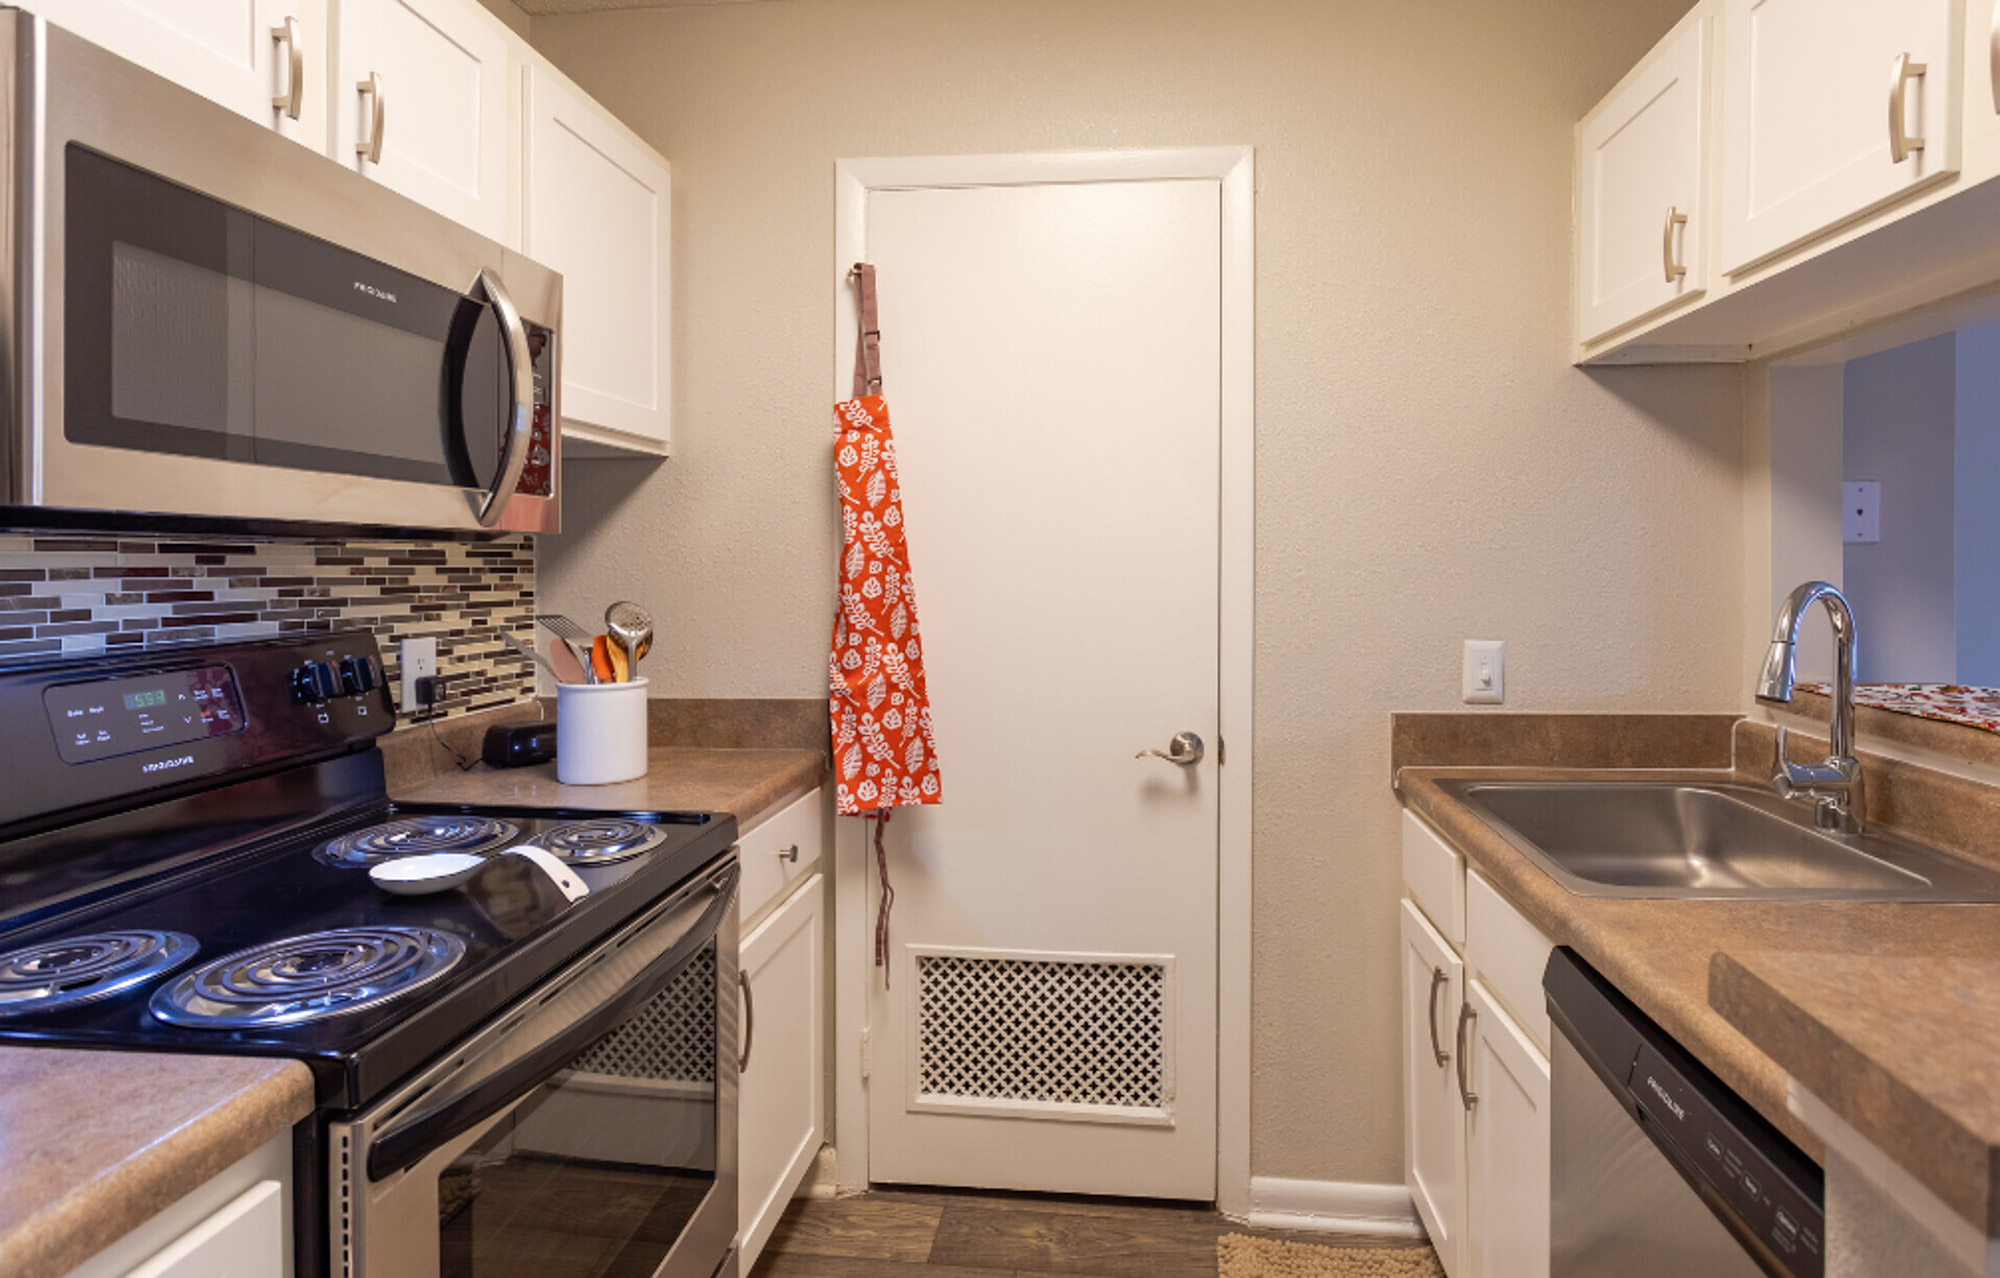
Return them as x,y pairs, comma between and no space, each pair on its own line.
246,1239
769,871
1436,878
1508,954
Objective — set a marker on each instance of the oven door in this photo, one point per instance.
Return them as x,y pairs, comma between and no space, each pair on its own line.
590,1130
225,325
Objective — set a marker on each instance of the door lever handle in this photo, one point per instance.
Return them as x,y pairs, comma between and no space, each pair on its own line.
1185,749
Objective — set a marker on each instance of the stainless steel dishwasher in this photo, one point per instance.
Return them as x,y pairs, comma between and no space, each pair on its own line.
1657,1169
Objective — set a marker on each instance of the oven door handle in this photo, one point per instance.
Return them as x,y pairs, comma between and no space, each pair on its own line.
541,1051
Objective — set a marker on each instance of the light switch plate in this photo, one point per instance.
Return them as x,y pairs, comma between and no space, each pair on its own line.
420,661
1861,512
1485,678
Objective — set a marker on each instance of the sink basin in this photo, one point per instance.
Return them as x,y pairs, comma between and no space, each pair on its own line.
1709,841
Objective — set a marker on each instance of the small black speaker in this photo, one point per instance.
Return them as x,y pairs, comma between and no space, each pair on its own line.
516,745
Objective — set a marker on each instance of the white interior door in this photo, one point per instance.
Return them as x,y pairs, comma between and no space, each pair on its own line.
1052,359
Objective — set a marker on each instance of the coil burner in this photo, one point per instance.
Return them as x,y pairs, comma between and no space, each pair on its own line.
83,969
308,978
413,835
601,841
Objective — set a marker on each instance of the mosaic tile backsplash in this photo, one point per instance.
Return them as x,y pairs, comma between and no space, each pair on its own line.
70,596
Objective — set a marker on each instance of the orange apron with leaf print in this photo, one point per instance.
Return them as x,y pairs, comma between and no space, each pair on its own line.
884,751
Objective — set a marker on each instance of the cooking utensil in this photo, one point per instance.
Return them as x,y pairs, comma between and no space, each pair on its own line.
530,653
572,635
600,660
568,666
631,629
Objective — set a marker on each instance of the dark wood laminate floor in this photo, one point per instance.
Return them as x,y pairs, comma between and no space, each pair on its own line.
930,1233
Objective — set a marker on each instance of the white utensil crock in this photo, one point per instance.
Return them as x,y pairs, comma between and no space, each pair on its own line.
600,732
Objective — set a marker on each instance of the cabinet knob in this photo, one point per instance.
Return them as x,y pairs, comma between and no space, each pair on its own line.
789,854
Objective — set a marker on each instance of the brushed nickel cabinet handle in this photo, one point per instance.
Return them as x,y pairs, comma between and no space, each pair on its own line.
370,147
292,100
749,1020
789,854
1466,1096
1675,268
1437,1049
1900,75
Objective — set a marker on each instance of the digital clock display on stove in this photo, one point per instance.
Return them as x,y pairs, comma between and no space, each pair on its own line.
111,717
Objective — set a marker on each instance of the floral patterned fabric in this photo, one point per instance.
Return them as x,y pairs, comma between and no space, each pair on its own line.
884,752
1949,702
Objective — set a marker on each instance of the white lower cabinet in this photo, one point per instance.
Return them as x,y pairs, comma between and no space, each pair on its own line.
1433,1117
782,1104
1506,1146
1476,1084
246,1239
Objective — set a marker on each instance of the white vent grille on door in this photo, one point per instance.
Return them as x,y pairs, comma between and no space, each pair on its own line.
1042,1034
671,1039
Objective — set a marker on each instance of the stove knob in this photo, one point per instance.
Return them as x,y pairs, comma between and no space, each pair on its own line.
357,675
315,682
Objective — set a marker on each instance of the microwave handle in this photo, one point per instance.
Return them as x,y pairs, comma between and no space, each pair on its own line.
521,414
455,1110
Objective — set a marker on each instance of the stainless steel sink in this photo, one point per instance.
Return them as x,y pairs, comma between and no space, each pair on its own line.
1723,841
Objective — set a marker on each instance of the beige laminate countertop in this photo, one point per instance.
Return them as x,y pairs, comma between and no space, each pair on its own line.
1885,996
94,1144
678,778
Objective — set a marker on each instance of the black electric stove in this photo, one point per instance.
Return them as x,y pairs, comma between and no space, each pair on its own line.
184,848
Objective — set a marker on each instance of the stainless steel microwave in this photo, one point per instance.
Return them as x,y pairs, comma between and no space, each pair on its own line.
215,326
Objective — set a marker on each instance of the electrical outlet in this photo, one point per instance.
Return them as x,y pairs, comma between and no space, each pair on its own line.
1861,517
1485,678
420,661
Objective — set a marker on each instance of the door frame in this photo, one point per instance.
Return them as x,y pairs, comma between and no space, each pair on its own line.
1233,168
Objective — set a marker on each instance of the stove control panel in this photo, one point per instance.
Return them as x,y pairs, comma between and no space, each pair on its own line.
109,717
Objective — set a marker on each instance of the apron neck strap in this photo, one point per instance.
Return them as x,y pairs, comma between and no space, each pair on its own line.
868,344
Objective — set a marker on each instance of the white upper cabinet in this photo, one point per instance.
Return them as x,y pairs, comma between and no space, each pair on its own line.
1982,70
597,208
420,104
1831,108
1641,169
264,59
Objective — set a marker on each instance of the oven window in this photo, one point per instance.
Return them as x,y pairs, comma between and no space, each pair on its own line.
598,1173
195,328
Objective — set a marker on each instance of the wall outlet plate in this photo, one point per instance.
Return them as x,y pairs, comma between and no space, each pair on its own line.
1861,512
420,661
1484,682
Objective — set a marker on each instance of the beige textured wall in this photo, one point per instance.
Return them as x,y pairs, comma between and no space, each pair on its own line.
1429,467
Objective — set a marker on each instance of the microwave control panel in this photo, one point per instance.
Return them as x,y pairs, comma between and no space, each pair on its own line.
538,476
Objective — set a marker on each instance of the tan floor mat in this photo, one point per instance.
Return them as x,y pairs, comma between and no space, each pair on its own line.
1240,1256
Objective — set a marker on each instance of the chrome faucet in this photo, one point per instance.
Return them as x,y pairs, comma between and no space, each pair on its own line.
1833,786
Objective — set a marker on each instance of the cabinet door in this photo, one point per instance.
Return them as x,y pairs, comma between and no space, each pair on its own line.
246,1239
442,70
781,1102
1641,221
1507,1146
240,53
1807,113
1433,1115
597,209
